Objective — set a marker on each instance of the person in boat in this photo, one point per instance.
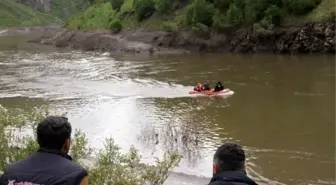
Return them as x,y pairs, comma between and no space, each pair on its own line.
219,87
206,86
198,87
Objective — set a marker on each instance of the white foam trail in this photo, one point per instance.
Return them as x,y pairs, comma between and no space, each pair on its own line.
3,32
2,95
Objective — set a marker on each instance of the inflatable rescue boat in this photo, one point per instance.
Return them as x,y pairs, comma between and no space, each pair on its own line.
225,92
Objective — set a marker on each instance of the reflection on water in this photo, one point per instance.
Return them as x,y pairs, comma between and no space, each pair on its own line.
282,111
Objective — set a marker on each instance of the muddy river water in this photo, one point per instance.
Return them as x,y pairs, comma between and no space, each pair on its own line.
282,112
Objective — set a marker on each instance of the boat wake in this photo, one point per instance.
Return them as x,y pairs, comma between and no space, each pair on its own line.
60,76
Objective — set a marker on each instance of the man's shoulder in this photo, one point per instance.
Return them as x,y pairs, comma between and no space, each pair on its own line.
75,166
56,169
68,166
227,183
19,164
221,183
75,172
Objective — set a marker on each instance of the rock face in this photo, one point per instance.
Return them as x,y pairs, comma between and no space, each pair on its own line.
104,41
39,5
310,38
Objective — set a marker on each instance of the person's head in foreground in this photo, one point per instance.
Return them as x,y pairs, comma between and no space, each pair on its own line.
53,133
50,164
229,166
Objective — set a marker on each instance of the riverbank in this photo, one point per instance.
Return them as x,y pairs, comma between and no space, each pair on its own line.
310,38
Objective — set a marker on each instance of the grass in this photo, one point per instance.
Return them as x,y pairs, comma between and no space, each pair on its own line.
324,11
127,7
18,15
156,21
153,22
64,9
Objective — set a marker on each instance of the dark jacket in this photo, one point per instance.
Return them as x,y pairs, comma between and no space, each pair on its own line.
231,178
206,87
45,167
219,87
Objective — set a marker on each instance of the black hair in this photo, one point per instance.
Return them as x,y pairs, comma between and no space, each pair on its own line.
53,131
230,157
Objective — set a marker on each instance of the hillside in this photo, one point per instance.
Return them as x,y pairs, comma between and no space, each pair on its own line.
14,14
64,9
324,11
19,13
202,16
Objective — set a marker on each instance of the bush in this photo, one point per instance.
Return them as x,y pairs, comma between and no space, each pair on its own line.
74,23
111,167
163,6
240,4
254,10
222,5
331,16
199,11
168,26
300,7
263,28
219,21
115,26
116,4
97,16
144,9
272,14
127,7
201,29
235,15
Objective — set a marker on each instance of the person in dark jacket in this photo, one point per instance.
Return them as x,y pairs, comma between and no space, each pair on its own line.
51,164
206,86
229,166
219,87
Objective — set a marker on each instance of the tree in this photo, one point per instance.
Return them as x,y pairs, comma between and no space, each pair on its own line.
144,9
200,11
163,6
116,4
300,7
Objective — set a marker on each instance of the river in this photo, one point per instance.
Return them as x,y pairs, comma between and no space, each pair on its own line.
282,112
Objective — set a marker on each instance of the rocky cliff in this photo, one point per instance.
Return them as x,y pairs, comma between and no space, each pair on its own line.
311,38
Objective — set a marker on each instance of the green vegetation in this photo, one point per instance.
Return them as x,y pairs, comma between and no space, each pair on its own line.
202,16
100,15
65,9
197,15
324,11
16,14
111,166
